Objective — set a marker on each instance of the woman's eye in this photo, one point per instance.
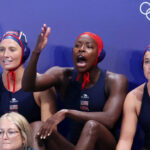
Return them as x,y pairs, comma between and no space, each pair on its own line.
12,49
89,46
11,131
77,45
1,132
147,61
2,49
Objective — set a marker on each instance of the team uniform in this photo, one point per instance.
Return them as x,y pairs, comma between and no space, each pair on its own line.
20,101
144,117
89,100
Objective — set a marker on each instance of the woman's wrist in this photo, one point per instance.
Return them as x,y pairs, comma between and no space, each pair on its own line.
65,111
36,51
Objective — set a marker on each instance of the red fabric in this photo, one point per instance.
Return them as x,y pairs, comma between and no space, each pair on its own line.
86,79
98,40
12,72
13,77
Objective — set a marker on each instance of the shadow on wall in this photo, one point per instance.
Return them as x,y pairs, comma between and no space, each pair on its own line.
136,69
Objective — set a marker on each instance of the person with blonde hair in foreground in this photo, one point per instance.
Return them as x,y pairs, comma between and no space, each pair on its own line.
15,132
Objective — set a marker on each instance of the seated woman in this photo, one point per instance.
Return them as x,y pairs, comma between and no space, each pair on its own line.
35,106
91,97
136,108
15,132
14,51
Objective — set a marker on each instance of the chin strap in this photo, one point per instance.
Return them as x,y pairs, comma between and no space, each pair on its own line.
13,77
86,79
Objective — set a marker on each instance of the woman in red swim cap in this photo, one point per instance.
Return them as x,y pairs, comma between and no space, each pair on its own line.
92,98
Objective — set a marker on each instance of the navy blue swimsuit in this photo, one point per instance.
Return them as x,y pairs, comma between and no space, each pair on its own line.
144,117
89,100
20,101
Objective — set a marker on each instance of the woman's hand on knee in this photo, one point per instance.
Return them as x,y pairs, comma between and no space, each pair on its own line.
51,124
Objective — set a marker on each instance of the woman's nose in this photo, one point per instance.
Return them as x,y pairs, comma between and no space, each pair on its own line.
82,48
5,136
6,53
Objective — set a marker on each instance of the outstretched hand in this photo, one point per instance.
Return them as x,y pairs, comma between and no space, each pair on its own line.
51,124
42,38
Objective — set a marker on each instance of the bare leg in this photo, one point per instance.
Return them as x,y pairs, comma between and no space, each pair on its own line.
37,144
58,142
54,142
95,135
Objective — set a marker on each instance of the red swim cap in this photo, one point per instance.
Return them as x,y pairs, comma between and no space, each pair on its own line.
98,40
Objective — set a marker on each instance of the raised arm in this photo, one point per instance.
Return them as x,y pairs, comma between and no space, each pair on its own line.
129,123
30,81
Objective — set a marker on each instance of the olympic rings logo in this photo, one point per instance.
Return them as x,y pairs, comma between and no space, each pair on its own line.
145,9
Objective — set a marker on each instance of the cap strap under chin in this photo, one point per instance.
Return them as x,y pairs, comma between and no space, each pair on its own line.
12,76
86,79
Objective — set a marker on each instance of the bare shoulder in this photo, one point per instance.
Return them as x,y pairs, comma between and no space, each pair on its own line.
115,76
115,80
136,93
133,100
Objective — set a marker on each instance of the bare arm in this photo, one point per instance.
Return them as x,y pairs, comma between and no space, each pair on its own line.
48,103
129,123
30,81
117,86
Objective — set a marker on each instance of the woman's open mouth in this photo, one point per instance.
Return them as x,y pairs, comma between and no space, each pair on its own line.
81,61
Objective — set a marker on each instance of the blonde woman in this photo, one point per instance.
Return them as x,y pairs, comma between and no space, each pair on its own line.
15,132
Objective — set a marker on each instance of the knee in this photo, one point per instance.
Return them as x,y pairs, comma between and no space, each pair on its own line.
92,127
36,126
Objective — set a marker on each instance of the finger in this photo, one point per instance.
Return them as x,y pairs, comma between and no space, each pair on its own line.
45,27
48,131
44,131
42,34
42,30
39,132
48,32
